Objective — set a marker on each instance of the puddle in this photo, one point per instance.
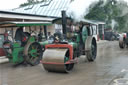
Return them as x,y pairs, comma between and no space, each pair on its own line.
121,78
121,81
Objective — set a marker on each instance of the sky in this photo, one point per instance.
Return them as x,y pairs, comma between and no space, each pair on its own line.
10,4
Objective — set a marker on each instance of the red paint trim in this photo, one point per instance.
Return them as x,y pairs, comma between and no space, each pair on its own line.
2,53
103,36
62,46
71,60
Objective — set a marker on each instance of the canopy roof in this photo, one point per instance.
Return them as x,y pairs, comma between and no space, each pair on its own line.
83,21
18,24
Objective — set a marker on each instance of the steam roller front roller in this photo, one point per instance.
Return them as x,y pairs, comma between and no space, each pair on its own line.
91,48
56,60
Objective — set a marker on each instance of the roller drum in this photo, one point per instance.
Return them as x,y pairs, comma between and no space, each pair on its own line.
54,60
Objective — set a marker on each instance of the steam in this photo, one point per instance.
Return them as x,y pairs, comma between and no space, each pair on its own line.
79,8
113,24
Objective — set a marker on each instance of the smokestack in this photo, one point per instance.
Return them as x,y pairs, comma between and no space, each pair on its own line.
64,22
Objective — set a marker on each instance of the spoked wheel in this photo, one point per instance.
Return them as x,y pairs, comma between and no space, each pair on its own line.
122,42
54,60
33,53
91,48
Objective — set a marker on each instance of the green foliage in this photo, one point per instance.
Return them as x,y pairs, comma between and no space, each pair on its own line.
30,2
96,13
109,11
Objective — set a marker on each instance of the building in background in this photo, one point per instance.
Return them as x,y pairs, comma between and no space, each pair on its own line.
45,11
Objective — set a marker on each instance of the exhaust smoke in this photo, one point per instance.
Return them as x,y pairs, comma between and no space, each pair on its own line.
79,8
113,24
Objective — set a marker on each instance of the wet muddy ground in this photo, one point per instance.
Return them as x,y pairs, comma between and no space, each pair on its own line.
110,68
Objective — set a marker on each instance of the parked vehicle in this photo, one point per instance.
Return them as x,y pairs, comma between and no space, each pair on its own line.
111,36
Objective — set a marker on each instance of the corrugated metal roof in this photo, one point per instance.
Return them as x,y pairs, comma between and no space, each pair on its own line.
17,16
50,8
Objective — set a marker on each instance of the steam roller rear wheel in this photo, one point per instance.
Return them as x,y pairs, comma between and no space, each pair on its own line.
54,59
33,53
91,48
122,42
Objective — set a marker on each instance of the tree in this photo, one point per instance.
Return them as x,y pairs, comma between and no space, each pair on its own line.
112,10
30,2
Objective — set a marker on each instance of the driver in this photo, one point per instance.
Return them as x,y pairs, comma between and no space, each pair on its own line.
19,34
57,37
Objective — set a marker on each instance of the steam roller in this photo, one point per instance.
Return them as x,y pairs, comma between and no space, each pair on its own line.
65,48
123,41
23,46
